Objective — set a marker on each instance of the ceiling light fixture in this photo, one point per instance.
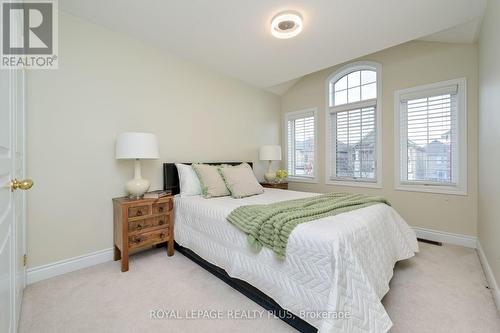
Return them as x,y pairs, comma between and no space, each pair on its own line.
286,24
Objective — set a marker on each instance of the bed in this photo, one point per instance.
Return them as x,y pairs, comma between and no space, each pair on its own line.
335,267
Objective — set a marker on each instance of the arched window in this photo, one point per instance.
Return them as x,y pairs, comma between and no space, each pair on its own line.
353,115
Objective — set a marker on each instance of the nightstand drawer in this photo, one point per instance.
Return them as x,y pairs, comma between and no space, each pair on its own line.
162,207
138,211
161,220
148,238
143,224
139,225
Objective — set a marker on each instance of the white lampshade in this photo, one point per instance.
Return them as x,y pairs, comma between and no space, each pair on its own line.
270,153
133,145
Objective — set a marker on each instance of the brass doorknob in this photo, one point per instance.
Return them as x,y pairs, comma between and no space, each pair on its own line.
24,184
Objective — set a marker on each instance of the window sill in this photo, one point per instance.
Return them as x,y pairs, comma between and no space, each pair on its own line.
302,180
450,190
353,183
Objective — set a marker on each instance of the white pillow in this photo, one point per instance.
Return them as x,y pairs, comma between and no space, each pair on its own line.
240,180
212,184
188,180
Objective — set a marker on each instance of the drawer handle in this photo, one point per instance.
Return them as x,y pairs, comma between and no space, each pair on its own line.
160,209
139,227
137,240
161,222
162,235
139,213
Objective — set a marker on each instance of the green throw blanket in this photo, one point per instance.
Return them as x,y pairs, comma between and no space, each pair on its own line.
271,225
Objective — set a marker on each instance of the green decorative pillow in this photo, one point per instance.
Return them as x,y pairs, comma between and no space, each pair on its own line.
212,184
240,180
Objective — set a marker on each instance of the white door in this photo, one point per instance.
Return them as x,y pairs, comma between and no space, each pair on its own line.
12,199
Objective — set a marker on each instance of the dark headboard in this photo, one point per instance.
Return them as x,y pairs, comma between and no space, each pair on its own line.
171,177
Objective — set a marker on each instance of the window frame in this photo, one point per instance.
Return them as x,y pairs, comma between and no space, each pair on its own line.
331,153
295,115
429,89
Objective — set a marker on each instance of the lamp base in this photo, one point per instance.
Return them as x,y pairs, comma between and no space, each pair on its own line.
270,176
137,187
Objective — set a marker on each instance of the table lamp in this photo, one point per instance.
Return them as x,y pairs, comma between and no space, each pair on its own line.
270,153
137,146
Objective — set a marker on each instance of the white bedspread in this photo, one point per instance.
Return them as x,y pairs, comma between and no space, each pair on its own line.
336,264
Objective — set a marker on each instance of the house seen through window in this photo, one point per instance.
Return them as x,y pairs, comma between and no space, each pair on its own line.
301,144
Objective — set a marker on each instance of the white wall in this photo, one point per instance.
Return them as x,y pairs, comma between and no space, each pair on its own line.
405,66
108,83
489,137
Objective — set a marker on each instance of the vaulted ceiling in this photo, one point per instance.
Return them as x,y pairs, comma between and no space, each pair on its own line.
232,36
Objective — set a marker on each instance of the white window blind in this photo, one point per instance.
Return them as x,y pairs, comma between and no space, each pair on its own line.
352,133
355,143
429,140
301,144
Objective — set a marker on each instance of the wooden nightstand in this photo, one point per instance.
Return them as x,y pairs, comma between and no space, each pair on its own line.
281,186
141,223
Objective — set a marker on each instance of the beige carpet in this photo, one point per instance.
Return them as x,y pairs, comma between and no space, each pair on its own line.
442,289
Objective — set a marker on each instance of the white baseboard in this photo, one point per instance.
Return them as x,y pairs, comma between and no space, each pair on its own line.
492,282
446,237
43,272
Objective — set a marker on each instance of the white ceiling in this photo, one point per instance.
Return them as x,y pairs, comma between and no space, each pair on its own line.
467,32
232,36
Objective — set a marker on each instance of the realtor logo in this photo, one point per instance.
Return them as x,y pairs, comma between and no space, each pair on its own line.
29,34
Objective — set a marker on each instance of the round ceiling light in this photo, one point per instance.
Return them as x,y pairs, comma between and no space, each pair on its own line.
286,25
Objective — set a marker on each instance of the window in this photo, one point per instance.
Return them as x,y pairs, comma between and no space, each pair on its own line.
353,152
431,138
301,145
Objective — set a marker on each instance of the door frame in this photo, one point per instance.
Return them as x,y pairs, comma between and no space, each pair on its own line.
20,74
